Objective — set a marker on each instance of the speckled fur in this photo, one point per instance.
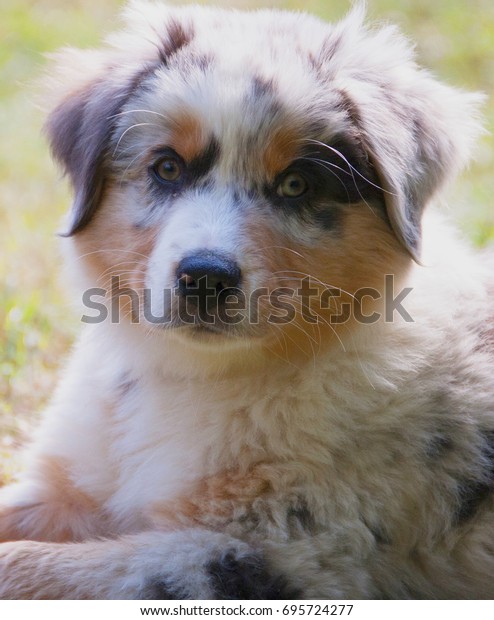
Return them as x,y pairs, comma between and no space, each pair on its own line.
343,461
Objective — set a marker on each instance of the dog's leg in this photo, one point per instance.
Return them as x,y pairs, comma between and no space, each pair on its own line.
44,521
48,506
194,564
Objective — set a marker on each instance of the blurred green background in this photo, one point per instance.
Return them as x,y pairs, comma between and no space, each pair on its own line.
455,38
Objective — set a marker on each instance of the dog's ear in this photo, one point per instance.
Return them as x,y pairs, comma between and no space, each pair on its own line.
417,132
79,130
417,143
90,90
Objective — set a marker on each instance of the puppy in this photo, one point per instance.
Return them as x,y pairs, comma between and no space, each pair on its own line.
291,393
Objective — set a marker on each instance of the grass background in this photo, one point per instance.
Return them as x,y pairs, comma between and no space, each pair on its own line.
455,38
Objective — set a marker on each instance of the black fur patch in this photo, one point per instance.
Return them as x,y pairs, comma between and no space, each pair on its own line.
337,174
246,578
329,218
378,532
300,520
162,591
473,493
202,164
178,36
380,535
439,445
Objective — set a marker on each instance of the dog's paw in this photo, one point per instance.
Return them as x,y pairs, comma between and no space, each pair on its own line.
246,577
230,576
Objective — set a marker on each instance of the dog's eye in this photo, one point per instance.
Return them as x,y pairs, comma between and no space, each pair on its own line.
168,169
292,185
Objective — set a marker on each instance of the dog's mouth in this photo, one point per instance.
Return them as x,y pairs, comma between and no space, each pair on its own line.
214,320
194,313
205,332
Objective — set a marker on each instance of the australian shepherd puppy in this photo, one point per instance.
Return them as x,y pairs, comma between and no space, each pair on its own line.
286,385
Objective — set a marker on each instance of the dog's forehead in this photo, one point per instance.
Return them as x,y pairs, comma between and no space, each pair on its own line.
246,35
249,82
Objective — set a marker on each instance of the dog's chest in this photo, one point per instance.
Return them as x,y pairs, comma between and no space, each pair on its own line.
168,435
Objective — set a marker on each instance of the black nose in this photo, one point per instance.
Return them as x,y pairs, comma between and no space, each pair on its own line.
204,275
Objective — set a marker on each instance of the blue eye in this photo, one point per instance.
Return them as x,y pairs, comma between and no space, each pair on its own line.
292,185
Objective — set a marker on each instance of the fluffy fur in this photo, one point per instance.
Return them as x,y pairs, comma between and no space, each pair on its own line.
263,460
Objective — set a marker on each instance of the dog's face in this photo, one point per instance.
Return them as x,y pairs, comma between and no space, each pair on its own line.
246,153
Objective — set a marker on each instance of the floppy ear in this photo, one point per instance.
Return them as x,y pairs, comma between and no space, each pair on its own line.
80,127
91,89
423,141
417,132
79,130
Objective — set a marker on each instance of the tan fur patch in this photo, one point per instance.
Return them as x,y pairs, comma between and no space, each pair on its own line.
358,258
280,151
365,252
62,512
187,136
116,256
214,501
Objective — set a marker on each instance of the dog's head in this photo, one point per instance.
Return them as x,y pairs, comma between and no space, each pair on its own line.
249,152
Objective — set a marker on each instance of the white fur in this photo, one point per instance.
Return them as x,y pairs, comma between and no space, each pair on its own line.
359,505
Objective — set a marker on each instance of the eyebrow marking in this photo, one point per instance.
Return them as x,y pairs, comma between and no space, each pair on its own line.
281,150
187,136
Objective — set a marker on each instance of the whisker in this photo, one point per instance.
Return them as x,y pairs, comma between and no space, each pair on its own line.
125,132
281,247
328,167
137,110
317,280
333,150
111,250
